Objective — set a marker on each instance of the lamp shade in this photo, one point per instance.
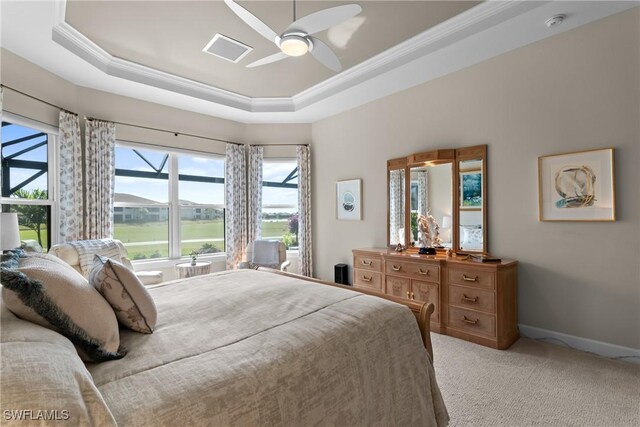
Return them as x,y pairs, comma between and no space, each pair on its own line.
9,231
446,221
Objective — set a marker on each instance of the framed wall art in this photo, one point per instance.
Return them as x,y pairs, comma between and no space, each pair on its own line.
348,199
577,186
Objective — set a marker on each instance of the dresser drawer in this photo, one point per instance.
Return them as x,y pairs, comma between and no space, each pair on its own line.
398,286
469,277
427,292
416,270
364,262
476,299
472,321
367,279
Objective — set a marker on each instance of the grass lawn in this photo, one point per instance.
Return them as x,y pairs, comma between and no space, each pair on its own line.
194,234
29,234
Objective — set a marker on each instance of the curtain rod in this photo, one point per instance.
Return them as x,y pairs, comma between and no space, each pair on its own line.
277,145
120,123
167,131
36,98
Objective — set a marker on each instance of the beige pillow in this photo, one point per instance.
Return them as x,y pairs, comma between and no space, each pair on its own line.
128,297
42,289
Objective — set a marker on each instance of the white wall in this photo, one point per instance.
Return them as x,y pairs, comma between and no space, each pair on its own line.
575,91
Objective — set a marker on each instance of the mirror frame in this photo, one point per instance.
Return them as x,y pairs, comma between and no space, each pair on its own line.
435,157
394,164
477,152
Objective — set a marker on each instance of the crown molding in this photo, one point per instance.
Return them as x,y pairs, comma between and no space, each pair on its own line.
471,21
478,18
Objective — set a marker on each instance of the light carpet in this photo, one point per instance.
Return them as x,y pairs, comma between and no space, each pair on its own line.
534,384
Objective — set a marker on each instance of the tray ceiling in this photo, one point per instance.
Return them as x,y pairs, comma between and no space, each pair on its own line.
169,36
38,31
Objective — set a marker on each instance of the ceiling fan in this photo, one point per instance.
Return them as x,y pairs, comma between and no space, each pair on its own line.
296,40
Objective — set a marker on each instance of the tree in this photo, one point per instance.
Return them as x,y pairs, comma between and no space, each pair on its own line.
32,216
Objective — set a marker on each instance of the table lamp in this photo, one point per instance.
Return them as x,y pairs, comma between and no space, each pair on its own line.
9,231
446,221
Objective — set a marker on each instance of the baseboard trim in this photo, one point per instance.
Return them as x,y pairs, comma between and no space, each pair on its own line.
600,348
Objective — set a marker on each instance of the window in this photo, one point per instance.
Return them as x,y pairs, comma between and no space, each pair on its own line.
168,204
201,188
280,201
28,179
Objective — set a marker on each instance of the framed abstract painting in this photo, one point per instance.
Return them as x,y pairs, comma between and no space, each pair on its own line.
348,199
577,186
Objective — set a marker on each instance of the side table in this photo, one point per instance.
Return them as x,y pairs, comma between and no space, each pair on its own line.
186,269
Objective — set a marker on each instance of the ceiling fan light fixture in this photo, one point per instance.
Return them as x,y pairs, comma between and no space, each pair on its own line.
294,45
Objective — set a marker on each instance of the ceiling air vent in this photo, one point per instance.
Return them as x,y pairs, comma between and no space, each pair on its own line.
227,48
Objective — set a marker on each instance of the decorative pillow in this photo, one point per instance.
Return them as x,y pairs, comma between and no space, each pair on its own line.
44,290
471,235
128,297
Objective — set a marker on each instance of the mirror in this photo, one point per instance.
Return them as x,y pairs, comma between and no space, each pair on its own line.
396,207
431,193
472,208
449,188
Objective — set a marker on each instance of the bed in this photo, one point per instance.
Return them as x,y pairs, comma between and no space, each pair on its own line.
242,348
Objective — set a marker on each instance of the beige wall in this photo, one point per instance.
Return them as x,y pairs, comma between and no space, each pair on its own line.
576,91
29,78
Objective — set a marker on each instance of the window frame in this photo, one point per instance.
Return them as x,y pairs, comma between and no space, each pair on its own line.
173,204
53,182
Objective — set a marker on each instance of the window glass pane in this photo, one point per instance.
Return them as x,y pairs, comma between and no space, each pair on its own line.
24,162
144,231
141,176
280,170
280,201
201,230
201,180
33,221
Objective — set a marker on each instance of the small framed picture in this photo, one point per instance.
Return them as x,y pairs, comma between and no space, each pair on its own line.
348,200
577,186
471,190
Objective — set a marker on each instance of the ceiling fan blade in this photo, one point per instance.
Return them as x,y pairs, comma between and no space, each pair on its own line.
252,21
325,55
324,19
268,59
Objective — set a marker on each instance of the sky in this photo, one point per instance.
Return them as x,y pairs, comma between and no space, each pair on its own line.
157,189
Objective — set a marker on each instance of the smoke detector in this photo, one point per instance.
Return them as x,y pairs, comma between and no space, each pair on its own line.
555,20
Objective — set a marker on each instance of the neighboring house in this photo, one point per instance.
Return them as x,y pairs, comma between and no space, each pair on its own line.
146,212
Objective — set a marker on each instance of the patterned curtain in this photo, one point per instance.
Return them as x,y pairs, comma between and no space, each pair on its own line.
100,142
235,202
254,231
70,179
305,242
396,206
423,201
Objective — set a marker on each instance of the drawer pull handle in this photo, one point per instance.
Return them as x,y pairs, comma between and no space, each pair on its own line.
408,296
396,268
469,279
466,298
423,272
412,296
367,263
366,279
469,321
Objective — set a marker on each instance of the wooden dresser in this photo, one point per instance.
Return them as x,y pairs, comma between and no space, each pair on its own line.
473,301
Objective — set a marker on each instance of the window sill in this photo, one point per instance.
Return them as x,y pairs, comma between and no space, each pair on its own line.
164,262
